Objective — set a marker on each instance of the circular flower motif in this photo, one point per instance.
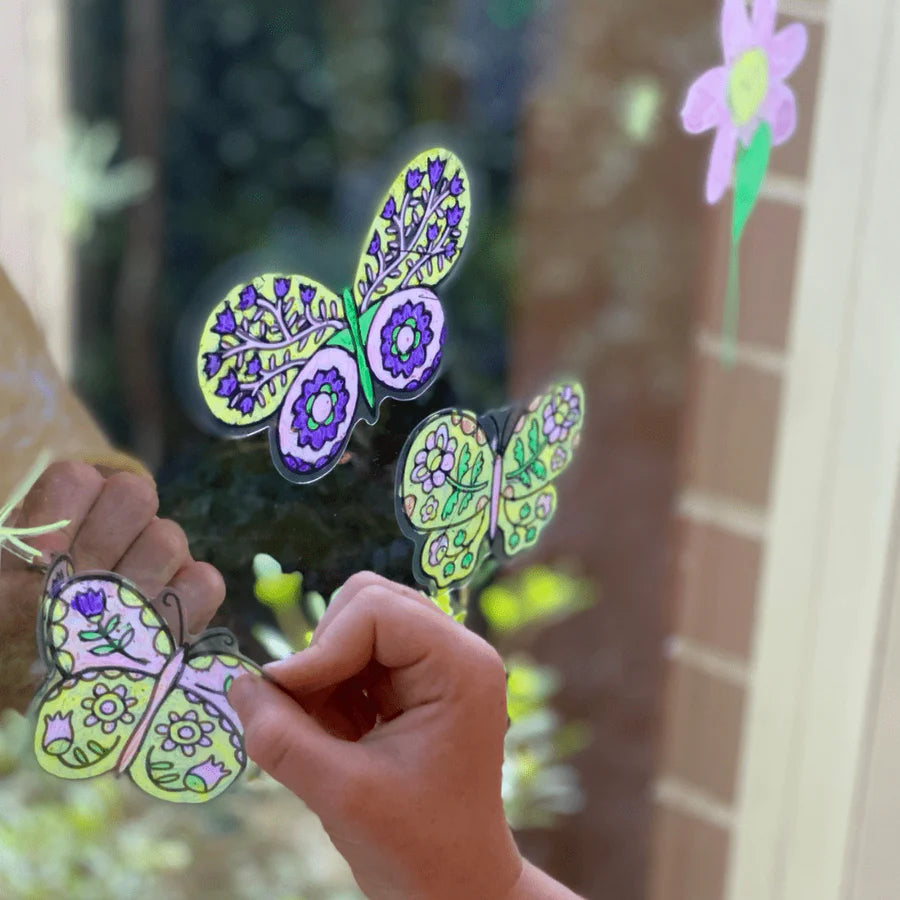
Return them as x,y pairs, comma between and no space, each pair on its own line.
430,508
405,338
185,732
561,414
320,409
438,550
108,707
544,506
435,459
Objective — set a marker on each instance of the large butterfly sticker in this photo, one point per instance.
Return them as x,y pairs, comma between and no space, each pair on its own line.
123,695
468,487
286,352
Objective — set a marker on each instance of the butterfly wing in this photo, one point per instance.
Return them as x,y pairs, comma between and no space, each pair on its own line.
419,230
405,341
83,721
317,416
101,619
443,495
194,747
60,571
540,447
256,340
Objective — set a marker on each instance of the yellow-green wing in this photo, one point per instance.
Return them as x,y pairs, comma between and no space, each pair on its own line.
444,493
419,229
540,447
194,747
83,722
257,339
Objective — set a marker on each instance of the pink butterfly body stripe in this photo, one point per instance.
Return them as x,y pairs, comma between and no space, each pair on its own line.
167,678
495,495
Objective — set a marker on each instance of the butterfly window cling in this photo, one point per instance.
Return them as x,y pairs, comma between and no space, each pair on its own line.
122,694
285,352
469,487
752,110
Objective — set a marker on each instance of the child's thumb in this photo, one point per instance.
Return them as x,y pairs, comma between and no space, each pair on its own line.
283,740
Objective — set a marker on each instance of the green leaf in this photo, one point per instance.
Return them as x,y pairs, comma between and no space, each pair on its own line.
525,478
519,451
477,466
167,779
126,638
112,623
80,756
90,635
749,172
464,457
538,469
464,501
96,748
161,766
450,505
227,683
533,436
103,650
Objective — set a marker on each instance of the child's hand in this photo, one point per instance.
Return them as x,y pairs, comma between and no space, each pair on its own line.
390,727
113,526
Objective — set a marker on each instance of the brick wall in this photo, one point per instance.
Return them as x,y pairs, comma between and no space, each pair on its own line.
728,440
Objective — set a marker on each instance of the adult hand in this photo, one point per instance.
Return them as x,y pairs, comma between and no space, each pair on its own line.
113,526
390,727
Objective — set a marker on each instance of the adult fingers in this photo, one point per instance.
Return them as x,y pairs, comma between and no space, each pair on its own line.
387,628
153,559
66,490
201,589
289,744
125,507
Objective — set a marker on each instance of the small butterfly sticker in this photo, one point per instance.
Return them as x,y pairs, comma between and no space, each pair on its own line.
469,487
122,695
285,352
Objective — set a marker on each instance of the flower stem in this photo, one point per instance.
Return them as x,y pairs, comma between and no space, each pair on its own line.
731,312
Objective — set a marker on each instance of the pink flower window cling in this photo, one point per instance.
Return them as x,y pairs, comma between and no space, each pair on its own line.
750,107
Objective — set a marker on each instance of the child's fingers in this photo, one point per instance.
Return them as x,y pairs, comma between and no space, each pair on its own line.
286,742
393,630
352,587
201,589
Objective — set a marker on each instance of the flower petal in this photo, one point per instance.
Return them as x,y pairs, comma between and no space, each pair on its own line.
780,111
721,163
763,18
705,106
737,36
786,50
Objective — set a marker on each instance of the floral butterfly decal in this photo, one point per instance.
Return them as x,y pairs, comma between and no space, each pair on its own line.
285,352
751,108
122,695
469,487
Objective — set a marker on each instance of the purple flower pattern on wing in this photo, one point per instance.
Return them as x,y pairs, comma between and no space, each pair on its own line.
282,286
225,321
58,734
435,459
437,550
205,776
307,294
435,170
245,404
450,250
375,244
405,339
185,732
390,209
90,603
558,460
254,366
544,506
109,706
414,179
561,414
247,297
432,231
212,364
228,384
456,185
454,215
430,508
320,409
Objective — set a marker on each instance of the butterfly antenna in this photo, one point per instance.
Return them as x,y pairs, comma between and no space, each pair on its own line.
170,599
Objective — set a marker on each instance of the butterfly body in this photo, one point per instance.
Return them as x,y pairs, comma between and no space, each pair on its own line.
469,487
122,696
286,353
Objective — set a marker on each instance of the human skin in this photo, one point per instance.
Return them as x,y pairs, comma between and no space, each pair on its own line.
113,526
390,727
